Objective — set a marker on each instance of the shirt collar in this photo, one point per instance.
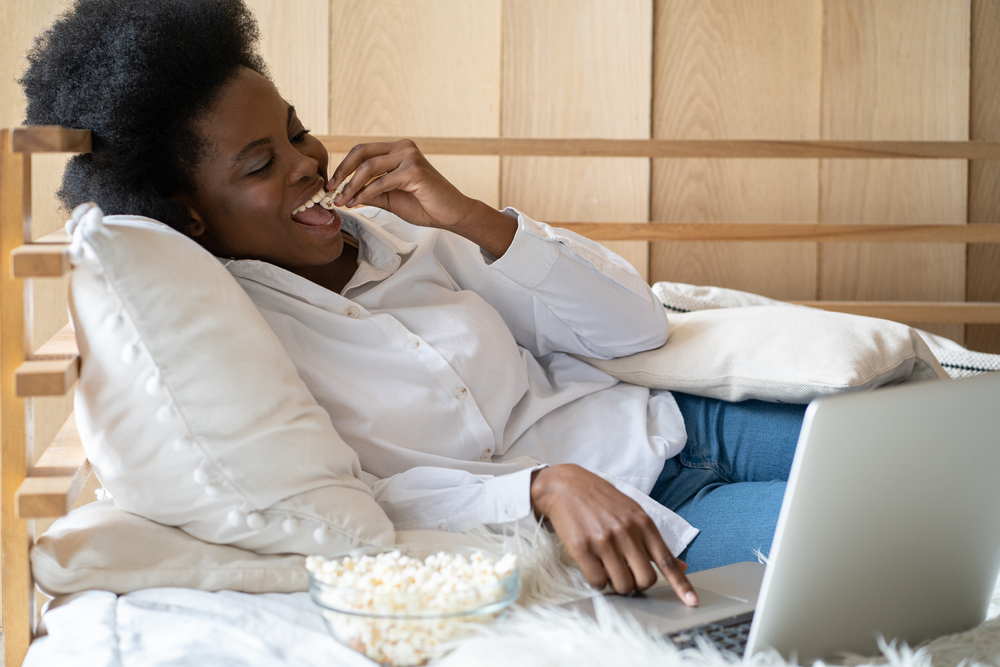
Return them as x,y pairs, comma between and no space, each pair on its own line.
380,254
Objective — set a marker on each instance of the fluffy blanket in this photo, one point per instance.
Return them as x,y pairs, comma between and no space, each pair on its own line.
189,627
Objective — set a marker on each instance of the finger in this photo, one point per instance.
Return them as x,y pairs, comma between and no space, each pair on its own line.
672,569
639,561
607,549
368,170
361,152
591,567
372,191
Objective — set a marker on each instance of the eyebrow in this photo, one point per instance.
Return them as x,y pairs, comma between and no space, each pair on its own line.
261,142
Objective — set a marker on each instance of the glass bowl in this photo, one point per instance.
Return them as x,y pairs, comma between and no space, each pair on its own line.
410,623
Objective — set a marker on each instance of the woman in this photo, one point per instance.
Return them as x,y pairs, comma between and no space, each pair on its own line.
439,338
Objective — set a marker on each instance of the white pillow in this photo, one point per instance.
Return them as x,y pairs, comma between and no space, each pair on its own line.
189,408
100,547
775,353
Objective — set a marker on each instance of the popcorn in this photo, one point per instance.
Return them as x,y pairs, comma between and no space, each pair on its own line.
402,610
323,198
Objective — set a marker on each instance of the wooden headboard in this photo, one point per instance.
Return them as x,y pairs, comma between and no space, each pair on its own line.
42,480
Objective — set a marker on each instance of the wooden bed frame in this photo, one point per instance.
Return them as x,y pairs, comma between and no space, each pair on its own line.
49,488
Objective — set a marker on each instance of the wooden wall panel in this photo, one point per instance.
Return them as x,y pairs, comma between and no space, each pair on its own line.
579,68
737,69
295,43
983,282
428,68
895,69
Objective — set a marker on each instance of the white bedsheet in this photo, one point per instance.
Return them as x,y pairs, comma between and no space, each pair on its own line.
177,626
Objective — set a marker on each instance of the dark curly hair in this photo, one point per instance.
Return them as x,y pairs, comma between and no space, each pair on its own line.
138,74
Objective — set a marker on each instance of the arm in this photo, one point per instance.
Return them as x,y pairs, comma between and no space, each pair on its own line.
555,290
607,533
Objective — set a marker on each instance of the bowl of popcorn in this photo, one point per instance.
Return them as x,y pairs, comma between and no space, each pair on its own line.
404,605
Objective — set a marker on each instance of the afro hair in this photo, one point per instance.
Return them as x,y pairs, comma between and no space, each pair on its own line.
138,75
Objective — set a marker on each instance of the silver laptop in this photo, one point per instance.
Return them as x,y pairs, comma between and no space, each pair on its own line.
890,526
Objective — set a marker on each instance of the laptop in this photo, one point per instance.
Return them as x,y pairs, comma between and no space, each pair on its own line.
890,526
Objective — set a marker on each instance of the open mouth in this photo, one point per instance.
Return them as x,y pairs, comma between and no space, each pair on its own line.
317,211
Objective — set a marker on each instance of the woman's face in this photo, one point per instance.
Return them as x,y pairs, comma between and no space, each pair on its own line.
260,164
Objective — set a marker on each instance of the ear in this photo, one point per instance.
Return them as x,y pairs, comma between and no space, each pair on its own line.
195,225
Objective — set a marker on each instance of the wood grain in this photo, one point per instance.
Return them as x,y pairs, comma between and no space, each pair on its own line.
681,231
49,377
40,261
913,312
578,69
895,70
737,70
15,181
400,68
50,139
681,148
983,281
295,43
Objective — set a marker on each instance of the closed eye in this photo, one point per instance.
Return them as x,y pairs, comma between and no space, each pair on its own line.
300,136
262,170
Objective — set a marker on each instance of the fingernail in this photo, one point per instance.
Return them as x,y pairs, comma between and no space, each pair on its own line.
691,597
350,202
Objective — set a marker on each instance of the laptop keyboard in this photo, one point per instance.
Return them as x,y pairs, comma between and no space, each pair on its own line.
729,635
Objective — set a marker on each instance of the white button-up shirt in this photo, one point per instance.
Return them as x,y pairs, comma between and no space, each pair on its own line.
449,371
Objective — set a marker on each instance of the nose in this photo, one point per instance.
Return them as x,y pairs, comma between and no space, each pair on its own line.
303,167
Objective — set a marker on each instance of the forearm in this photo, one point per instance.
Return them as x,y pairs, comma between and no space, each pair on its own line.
487,227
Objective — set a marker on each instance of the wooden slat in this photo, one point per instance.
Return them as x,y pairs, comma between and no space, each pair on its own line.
62,345
65,456
983,269
50,139
56,237
46,378
47,497
15,194
916,311
684,148
47,260
55,482
670,231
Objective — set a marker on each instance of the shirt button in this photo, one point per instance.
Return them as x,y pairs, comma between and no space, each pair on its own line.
486,454
509,512
461,392
598,265
353,311
413,343
442,526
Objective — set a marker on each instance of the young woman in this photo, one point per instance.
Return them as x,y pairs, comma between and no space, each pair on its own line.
438,337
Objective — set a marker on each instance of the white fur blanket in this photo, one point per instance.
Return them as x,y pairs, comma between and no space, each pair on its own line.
170,626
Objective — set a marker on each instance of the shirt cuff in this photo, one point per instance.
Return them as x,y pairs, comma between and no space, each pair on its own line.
675,531
537,247
509,496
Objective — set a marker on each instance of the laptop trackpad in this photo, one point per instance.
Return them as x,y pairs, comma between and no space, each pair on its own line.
660,611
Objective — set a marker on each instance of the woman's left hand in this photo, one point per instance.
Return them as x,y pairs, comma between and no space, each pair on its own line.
398,178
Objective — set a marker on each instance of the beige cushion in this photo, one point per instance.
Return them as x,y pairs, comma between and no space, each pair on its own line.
777,353
100,547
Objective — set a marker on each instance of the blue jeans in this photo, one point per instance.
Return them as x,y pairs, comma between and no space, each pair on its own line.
729,480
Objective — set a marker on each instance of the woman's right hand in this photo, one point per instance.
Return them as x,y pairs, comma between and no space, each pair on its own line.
607,533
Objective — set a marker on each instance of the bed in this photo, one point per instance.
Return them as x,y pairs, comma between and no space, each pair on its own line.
43,481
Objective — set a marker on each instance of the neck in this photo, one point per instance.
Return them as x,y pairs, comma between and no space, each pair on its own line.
335,275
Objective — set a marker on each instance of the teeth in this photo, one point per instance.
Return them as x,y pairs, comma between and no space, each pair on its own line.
323,198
